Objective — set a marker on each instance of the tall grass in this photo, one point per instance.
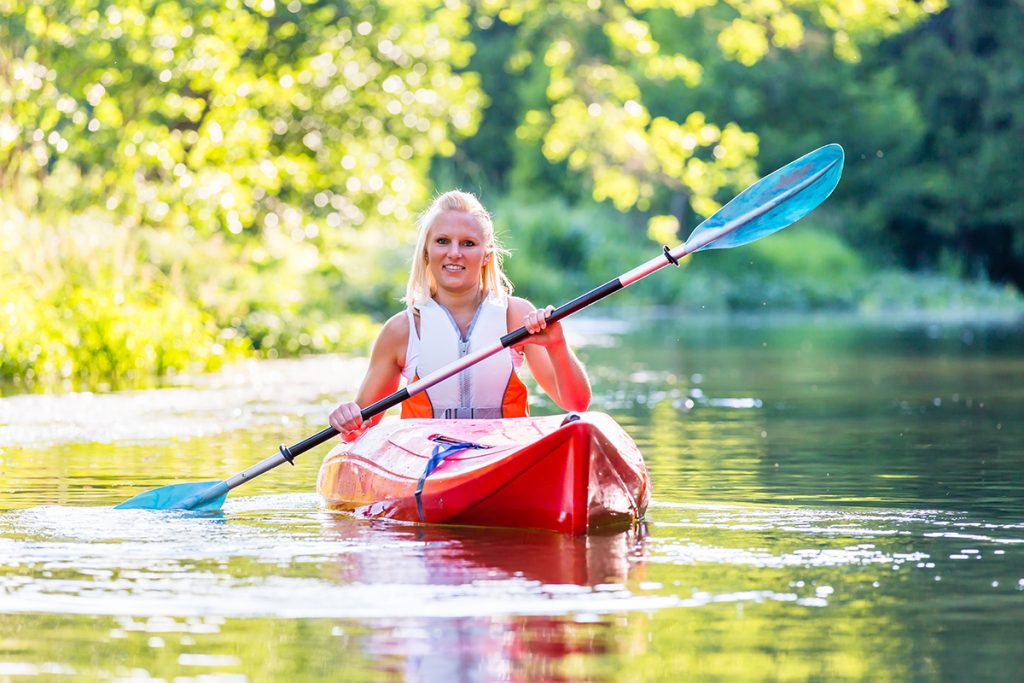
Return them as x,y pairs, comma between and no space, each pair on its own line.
80,302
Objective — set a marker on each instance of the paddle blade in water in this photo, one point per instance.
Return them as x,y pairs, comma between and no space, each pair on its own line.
775,201
205,496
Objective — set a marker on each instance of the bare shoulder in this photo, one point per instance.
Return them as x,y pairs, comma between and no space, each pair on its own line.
396,328
394,336
518,307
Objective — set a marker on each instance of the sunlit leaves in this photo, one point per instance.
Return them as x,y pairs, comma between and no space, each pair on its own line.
107,313
683,8
787,30
744,41
604,58
189,101
264,135
663,229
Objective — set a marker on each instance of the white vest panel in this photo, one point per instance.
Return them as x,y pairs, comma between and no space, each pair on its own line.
479,390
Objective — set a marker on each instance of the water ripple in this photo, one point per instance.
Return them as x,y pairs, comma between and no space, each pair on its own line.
241,396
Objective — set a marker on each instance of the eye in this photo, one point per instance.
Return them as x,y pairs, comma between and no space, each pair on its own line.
468,243
442,240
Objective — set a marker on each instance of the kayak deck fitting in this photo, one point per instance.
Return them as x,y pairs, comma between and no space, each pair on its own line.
572,474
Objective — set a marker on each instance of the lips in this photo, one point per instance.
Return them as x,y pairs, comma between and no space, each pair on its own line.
451,267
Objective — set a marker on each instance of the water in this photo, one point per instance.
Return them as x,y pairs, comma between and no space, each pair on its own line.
833,499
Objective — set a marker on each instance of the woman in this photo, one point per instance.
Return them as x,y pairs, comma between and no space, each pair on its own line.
458,299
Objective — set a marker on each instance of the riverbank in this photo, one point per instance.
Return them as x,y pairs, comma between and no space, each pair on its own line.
89,303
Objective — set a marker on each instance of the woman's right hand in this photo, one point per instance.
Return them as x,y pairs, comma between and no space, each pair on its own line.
347,418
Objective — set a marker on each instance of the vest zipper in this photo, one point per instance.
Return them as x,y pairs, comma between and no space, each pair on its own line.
464,376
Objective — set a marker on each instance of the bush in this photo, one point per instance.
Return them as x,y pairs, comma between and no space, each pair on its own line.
901,292
79,303
560,251
797,269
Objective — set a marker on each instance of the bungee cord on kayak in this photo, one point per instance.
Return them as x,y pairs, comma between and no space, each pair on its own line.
441,451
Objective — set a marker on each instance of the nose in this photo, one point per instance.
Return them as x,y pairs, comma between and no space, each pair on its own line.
454,249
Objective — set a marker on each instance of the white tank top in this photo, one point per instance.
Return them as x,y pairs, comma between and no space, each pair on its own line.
478,391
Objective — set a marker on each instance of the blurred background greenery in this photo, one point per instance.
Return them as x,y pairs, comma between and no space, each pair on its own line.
186,182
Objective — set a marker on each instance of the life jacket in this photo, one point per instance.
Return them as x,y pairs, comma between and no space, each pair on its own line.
489,389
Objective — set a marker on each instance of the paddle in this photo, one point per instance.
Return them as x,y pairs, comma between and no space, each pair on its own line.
769,205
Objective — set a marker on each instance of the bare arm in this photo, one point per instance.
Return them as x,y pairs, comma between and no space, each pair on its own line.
381,379
554,365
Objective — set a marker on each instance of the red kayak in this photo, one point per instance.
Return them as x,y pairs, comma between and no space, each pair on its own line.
571,474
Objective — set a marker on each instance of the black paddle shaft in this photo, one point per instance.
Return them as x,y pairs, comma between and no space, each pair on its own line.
565,310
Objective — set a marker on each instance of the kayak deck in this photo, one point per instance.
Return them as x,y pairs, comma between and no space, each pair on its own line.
556,473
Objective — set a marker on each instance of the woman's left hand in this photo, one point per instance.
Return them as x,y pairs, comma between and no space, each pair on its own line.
541,331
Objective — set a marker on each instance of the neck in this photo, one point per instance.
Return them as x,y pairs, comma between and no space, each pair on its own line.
460,301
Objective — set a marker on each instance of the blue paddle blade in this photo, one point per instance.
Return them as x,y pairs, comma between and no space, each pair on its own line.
206,496
776,201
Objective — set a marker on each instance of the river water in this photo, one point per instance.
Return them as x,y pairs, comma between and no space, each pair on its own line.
834,498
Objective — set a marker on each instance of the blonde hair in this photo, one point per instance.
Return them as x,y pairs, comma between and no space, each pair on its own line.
421,285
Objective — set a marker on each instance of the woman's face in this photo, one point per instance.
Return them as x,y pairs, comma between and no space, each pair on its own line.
456,252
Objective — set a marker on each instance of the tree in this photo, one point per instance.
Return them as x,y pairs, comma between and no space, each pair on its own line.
249,154
966,70
232,117
607,65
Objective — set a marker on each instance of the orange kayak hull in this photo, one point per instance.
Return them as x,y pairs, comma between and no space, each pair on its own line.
547,472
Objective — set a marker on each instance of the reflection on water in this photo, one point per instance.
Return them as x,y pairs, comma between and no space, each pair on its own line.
284,556
415,601
832,499
448,556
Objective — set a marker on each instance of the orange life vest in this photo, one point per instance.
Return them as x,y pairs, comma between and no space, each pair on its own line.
488,389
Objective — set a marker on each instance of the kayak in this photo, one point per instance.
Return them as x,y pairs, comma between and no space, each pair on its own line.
572,474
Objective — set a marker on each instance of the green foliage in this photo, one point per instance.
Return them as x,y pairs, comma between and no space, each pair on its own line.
78,302
810,270
896,292
258,152
967,203
257,166
604,67
559,251
799,269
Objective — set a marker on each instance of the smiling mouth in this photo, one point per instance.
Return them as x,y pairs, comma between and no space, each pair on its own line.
453,267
